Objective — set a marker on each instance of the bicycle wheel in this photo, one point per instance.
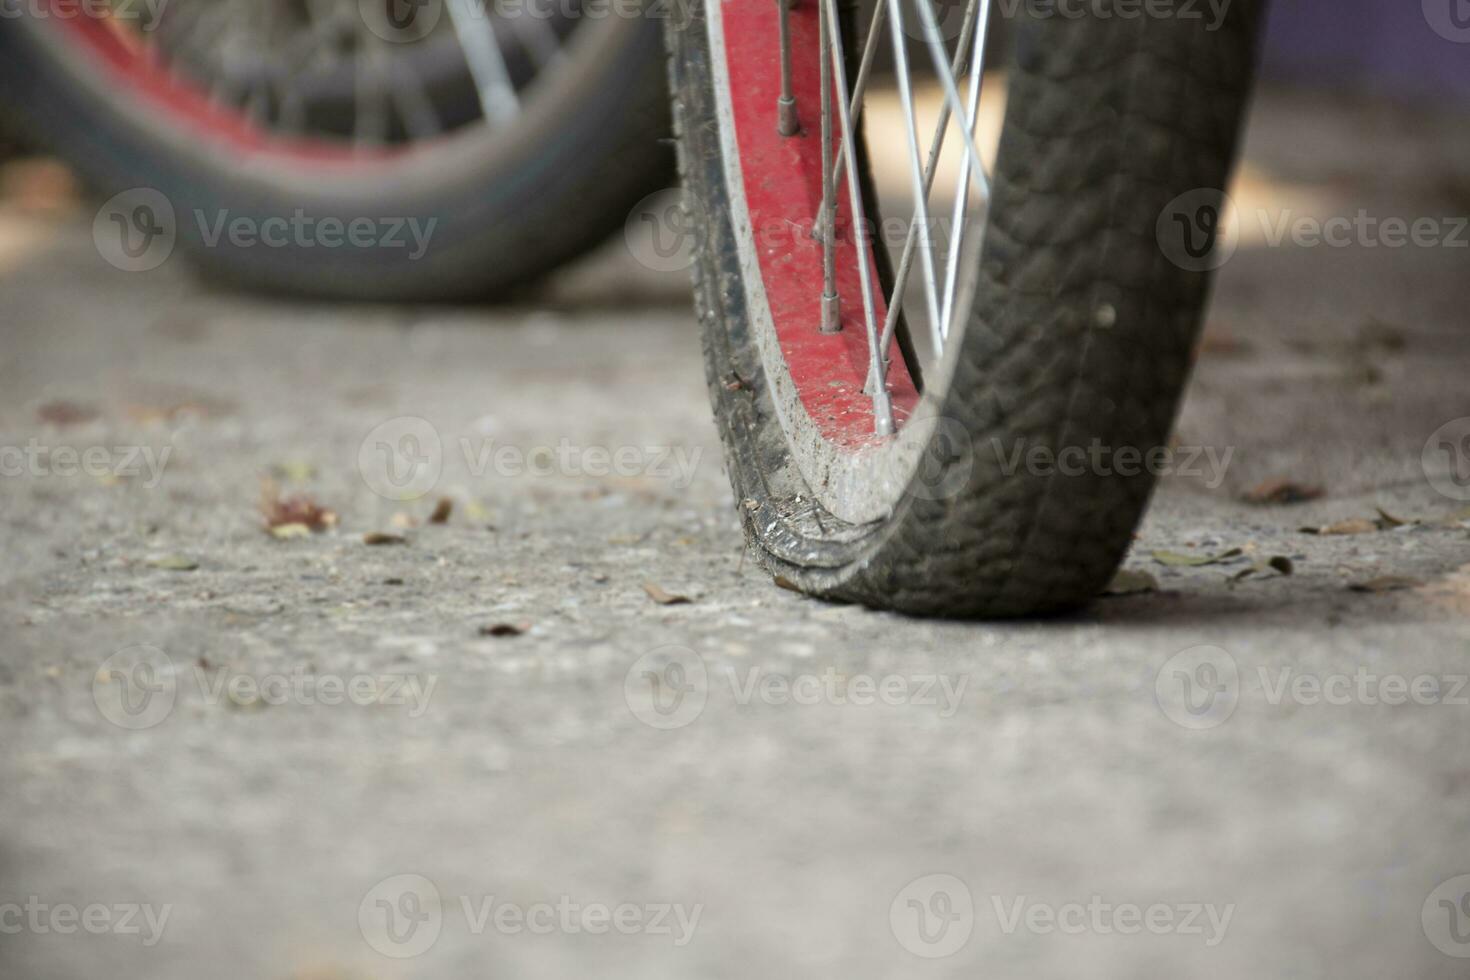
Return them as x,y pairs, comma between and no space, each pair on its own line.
888,400
472,148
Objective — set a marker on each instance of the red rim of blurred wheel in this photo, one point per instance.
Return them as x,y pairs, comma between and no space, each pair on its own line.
187,105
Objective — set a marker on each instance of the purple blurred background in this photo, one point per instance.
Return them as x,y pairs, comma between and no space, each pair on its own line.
1396,47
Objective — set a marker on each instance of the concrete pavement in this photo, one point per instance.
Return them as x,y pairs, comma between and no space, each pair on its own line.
487,751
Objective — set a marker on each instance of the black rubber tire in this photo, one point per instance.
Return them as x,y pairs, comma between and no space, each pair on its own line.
589,145
1110,118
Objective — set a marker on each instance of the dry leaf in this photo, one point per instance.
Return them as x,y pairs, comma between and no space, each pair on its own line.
785,583
1387,520
1178,560
299,509
1361,525
442,510
1375,334
1131,582
175,403
1282,492
1277,563
173,563
1386,583
1221,343
1451,591
378,537
1356,525
504,629
663,598
1363,374
64,413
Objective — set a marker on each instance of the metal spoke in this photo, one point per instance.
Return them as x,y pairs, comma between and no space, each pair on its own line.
895,302
274,62
951,94
855,104
257,104
224,88
299,55
786,122
882,405
415,106
475,31
542,42
370,118
175,31
325,26
962,186
831,306
292,117
921,191
203,32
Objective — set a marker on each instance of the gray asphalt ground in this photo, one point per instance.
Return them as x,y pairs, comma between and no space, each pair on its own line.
1256,777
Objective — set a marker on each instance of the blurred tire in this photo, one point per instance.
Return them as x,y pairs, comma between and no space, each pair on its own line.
502,206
